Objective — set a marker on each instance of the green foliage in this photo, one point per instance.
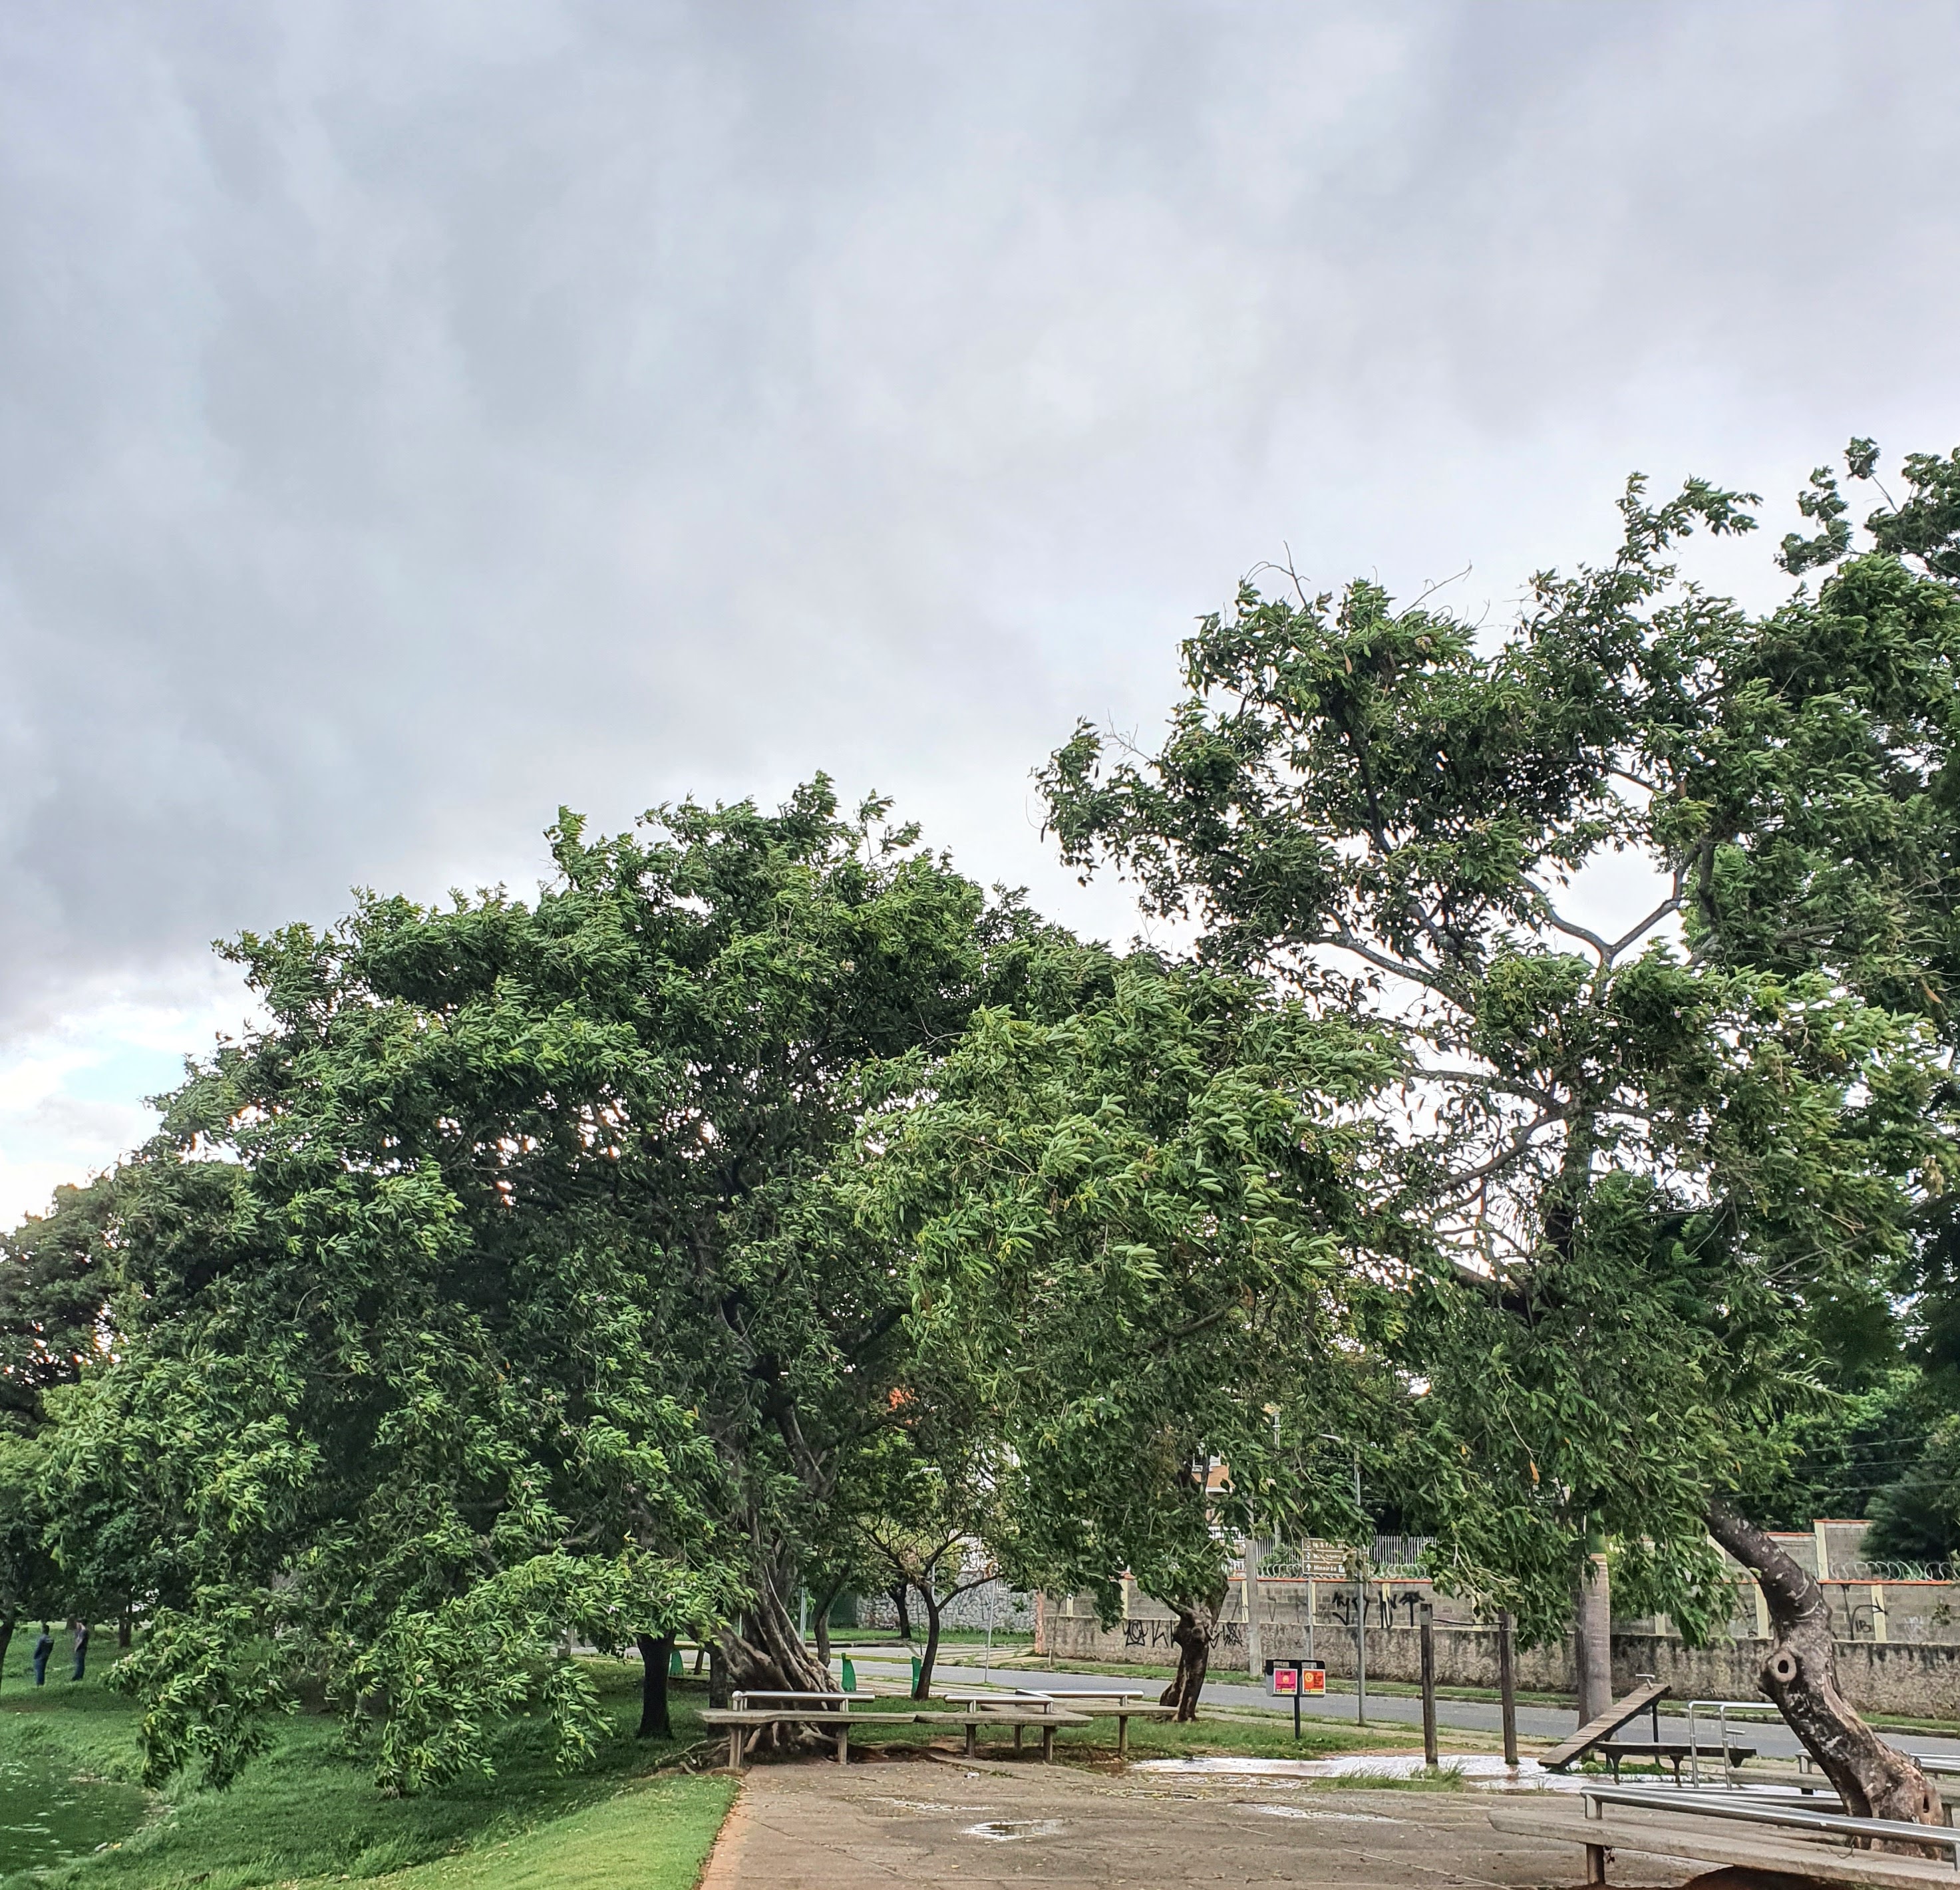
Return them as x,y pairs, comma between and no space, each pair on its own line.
1917,1517
762,1198
494,1293
57,1272
1135,1236
1660,1175
301,1814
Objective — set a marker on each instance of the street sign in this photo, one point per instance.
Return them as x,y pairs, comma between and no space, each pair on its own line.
1287,1678
1294,1679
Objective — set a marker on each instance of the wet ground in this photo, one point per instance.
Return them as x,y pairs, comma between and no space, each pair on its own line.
815,1826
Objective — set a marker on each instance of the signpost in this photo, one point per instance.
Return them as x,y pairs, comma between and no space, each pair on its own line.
1293,1680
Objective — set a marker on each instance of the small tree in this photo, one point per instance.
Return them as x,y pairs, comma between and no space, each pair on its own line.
931,1516
57,1273
1132,1231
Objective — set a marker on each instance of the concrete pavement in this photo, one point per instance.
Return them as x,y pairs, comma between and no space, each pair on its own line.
999,1827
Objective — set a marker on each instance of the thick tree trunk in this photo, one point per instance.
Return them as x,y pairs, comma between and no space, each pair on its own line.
1196,1625
769,1652
125,1628
1801,1676
922,1687
6,1621
769,1655
1592,1640
656,1652
903,1604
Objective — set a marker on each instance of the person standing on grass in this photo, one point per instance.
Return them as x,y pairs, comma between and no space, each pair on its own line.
81,1649
42,1648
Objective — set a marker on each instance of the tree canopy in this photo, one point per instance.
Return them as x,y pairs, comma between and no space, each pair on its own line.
1663,1171
763,1201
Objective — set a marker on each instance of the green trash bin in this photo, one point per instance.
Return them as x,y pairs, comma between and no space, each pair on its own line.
675,1669
849,1675
916,1673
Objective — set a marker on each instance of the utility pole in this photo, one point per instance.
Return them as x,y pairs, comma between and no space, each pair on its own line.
1254,1665
1592,1633
1429,1753
1507,1688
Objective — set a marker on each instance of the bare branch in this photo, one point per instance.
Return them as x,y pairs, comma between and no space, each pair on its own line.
1559,923
1417,974
1671,904
1518,1145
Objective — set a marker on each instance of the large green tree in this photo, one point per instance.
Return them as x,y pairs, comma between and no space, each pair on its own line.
1661,1159
495,1291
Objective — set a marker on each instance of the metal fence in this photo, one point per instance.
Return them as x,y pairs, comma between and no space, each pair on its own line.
1894,1572
1389,1558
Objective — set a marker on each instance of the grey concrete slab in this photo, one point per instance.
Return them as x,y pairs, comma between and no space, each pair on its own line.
814,1826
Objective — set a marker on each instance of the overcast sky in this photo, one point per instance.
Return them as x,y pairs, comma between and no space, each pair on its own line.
413,416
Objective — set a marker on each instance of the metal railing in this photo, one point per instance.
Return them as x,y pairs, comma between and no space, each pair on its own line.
1723,1709
1755,1811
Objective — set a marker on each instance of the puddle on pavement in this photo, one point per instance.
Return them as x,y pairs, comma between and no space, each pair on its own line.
46,1815
1006,1830
1487,1771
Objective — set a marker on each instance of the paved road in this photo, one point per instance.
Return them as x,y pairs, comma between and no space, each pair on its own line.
1385,1709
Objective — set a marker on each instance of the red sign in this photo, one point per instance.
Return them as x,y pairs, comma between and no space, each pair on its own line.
1290,1678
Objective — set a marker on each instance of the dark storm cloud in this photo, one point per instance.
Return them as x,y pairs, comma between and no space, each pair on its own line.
415,416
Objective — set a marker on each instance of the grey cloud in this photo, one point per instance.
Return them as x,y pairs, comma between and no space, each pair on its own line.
416,416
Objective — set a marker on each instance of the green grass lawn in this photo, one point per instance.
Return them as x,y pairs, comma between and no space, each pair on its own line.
304,1814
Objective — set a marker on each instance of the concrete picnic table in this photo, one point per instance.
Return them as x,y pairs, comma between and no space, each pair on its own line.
832,1708
1019,1713
1073,1700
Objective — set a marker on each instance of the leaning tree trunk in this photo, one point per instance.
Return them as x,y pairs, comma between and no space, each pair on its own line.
1873,1779
901,1601
1197,1622
656,1652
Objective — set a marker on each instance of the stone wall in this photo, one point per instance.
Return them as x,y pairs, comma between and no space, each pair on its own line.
1905,1676
1011,1611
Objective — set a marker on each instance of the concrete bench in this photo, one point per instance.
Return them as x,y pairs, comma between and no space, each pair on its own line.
744,1723
1120,1703
1122,1707
1722,1827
